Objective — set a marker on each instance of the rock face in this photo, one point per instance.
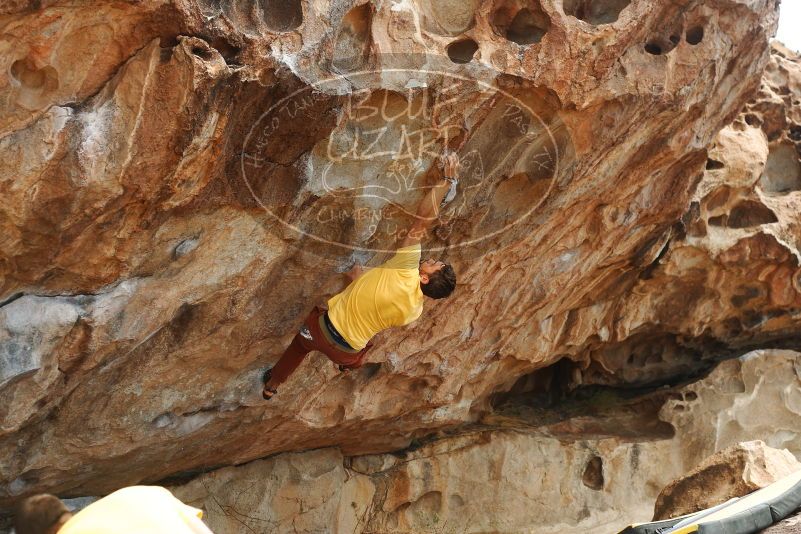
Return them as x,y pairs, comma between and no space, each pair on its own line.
176,197
293,492
492,481
727,279
535,476
732,472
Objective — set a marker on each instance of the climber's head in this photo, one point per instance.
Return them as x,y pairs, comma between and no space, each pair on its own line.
41,514
437,279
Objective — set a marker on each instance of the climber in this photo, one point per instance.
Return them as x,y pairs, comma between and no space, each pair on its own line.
376,299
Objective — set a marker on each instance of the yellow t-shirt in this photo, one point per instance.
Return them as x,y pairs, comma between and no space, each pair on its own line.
137,510
381,298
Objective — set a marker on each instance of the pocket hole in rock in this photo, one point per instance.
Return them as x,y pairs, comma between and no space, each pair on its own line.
447,18
665,38
202,53
352,44
462,51
455,501
782,170
654,49
695,35
795,132
714,165
748,214
745,295
282,15
717,199
228,51
35,84
525,28
752,120
168,41
593,476
26,74
595,12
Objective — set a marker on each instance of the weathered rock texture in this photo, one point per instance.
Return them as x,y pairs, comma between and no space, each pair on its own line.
732,472
535,476
144,284
728,277
492,481
293,492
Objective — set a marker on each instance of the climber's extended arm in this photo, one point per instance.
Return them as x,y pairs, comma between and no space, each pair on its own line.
428,210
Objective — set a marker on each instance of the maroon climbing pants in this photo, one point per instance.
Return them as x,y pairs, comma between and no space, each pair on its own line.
300,347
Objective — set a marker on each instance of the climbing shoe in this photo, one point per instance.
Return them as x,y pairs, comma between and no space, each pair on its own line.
268,392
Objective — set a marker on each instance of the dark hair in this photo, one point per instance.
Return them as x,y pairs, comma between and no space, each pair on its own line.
440,284
38,514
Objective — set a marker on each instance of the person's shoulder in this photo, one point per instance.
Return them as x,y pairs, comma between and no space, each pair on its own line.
141,495
407,257
414,247
144,490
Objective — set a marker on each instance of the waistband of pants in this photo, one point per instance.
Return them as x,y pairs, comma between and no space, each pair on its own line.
336,337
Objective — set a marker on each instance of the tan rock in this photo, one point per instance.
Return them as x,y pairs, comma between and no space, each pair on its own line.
755,397
520,474
307,492
732,472
163,281
488,481
726,275
510,482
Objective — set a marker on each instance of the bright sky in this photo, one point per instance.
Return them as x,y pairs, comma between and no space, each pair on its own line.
789,19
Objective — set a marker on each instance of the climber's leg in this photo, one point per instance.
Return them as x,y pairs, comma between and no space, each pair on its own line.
347,362
301,345
325,343
286,365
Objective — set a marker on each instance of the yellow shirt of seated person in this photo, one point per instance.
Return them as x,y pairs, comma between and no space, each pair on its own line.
383,297
136,510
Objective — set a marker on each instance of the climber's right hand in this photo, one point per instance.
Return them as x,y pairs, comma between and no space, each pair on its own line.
450,165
